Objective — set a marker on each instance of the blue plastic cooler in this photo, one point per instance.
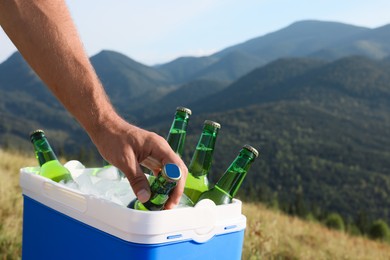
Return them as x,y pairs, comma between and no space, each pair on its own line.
63,223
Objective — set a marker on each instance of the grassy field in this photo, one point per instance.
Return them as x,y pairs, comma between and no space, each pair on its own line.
274,235
11,203
269,234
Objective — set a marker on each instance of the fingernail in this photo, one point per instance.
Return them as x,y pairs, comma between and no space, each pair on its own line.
143,195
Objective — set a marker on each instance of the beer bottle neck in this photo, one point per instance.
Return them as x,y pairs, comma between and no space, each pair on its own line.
232,179
177,132
160,185
202,159
43,151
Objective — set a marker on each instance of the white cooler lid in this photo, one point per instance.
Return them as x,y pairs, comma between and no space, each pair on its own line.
199,223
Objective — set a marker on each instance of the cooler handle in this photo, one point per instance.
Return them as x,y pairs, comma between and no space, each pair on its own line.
64,196
207,212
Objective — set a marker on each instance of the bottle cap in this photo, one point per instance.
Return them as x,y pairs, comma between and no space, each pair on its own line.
251,149
212,123
171,172
37,133
184,109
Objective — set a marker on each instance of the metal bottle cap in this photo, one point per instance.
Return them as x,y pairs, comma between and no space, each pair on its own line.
184,109
212,123
251,149
37,133
171,172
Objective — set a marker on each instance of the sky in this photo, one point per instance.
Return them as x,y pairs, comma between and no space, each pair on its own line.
154,32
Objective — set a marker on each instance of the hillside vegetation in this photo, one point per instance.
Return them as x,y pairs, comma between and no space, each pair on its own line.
269,234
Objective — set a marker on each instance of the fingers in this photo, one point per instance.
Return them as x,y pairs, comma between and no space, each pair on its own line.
176,194
162,154
152,164
138,182
136,146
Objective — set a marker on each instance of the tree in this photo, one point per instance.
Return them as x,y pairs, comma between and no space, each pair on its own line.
379,230
335,221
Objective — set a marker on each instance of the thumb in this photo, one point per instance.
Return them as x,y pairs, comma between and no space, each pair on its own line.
139,183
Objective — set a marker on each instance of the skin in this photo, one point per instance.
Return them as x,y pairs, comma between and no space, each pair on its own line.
44,33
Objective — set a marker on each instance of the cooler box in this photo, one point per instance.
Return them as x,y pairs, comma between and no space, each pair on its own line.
63,223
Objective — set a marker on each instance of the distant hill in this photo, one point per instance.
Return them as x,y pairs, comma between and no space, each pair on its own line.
185,95
296,40
303,79
258,86
324,40
230,67
26,104
16,76
127,81
183,69
371,43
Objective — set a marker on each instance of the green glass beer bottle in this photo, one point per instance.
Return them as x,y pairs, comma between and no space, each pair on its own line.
160,189
201,161
50,166
227,186
177,133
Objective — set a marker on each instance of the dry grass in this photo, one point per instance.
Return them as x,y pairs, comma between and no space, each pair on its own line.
273,235
269,234
11,203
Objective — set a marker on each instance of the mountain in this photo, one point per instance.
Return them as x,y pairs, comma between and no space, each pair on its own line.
127,81
185,95
295,78
183,69
229,67
296,40
225,68
26,104
256,85
16,76
371,43
318,39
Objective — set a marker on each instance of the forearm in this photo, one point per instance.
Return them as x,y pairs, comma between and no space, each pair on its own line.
45,35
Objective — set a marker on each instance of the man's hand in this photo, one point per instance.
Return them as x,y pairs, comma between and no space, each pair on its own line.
127,146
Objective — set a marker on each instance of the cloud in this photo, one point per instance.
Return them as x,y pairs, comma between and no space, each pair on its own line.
200,52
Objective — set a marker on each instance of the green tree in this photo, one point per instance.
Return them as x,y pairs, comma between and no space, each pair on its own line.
379,230
335,221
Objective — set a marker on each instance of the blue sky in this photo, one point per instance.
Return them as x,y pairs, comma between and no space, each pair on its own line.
154,32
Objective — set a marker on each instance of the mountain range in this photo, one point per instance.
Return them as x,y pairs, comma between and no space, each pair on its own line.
314,97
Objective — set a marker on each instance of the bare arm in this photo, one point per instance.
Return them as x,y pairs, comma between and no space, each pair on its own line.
45,35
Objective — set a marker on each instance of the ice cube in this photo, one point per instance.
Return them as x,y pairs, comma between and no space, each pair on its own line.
108,172
74,165
85,184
